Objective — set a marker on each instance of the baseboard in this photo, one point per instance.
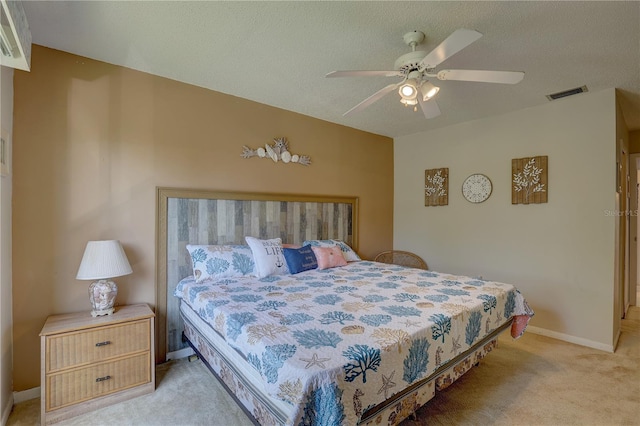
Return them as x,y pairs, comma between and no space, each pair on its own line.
570,339
7,410
26,395
182,353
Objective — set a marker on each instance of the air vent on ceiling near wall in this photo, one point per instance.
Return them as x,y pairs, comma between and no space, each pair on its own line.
570,92
15,36
7,42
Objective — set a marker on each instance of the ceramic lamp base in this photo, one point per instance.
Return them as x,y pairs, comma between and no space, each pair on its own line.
102,312
102,295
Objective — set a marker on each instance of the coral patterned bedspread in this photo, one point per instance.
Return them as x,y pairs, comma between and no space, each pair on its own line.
338,341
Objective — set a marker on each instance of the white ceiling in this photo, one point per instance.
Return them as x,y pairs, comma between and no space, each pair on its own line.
278,53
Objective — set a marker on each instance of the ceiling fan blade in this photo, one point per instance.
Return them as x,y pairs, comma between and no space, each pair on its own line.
505,77
373,98
430,108
457,41
364,74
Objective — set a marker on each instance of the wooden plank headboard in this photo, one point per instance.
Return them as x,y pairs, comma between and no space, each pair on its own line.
187,216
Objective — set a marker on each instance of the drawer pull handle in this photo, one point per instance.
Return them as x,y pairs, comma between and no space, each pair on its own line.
102,379
103,343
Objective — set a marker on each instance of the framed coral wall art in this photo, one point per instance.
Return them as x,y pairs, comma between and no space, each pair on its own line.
436,187
529,180
5,152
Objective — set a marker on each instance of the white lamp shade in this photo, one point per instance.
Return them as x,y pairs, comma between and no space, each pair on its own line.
102,260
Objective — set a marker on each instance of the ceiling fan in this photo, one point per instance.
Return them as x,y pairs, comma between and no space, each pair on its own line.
417,67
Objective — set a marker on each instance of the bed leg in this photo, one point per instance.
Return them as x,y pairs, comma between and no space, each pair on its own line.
192,357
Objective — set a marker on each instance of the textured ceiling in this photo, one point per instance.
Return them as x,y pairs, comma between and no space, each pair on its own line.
278,53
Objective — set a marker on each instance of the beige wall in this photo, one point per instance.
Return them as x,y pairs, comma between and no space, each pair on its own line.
6,341
95,140
559,254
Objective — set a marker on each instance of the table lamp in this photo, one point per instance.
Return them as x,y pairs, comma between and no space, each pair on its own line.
103,260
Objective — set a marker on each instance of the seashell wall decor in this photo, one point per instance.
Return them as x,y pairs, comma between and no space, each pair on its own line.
278,151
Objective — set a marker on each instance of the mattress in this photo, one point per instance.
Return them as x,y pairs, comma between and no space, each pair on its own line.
329,345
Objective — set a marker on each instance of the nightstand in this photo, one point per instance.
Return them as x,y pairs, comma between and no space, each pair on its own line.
88,363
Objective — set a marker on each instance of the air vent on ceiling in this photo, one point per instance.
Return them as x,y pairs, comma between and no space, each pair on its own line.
570,92
7,43
15,36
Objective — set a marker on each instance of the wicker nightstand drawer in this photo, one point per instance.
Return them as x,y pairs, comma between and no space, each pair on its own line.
88,362
82,384
80,348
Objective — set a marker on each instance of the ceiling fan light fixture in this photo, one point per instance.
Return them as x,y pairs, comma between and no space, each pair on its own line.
409,102
408,91
428,90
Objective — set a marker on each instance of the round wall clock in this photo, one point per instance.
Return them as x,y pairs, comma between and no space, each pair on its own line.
476,188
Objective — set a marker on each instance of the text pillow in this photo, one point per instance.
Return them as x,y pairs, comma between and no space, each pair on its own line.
329,257
268,256
347,252
223,261
300,259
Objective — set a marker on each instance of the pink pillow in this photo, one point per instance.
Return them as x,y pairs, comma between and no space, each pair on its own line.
329,257
292,246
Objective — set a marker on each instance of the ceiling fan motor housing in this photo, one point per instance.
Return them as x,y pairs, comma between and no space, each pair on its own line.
409,61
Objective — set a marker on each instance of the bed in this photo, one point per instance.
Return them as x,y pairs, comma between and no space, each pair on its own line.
358,343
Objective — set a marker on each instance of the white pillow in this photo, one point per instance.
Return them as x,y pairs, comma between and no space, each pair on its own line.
347,252
268,256
221,261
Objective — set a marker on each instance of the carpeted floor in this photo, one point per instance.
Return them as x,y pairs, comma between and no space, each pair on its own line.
186,394
534,380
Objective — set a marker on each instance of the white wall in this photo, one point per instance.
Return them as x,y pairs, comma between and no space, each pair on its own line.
6,325
559,254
